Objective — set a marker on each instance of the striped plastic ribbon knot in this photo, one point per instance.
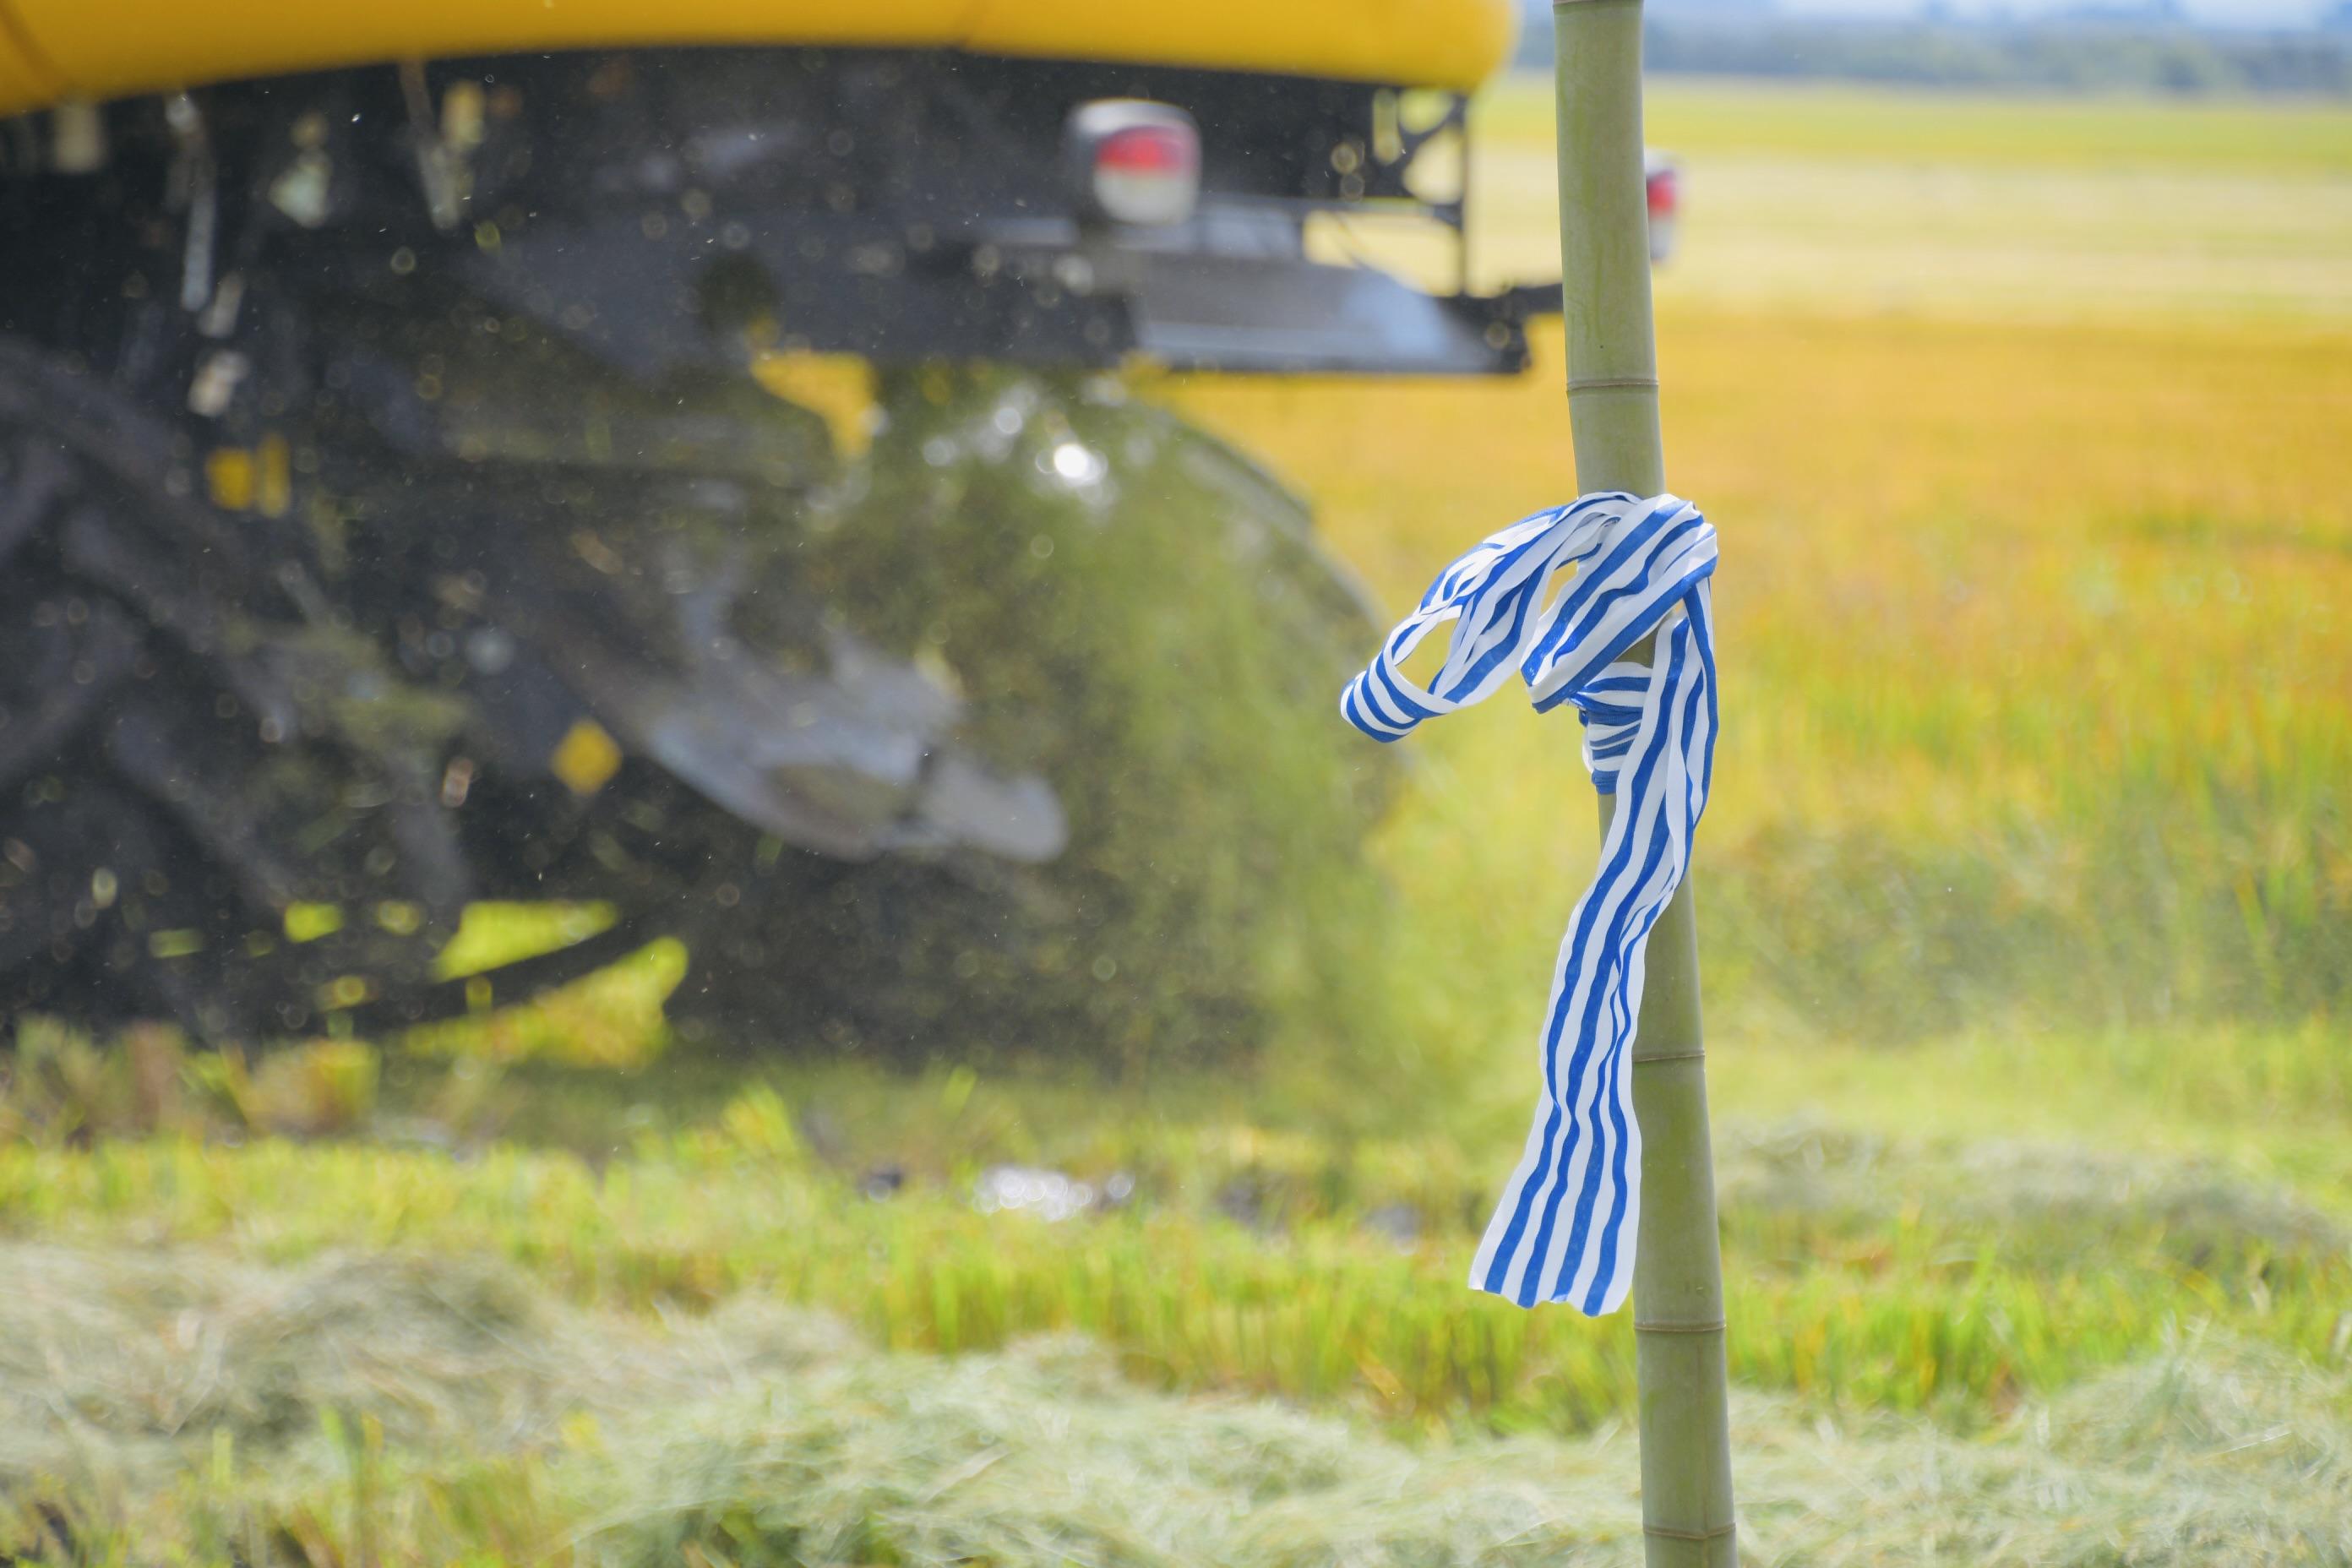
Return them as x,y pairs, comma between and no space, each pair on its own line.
1564,1229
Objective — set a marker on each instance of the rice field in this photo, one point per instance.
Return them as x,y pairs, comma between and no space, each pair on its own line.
2039,685
2026,910
1821,199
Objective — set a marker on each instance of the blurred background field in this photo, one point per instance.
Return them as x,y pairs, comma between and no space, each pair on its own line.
2026,912
2035,634
1846,199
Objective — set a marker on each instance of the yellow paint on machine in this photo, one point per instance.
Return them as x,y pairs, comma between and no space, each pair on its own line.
112,48
24,82
586,758
839,387
228,477
273,480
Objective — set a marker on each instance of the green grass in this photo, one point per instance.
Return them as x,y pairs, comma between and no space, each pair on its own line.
1947,1277
2094,1305
176,1407
2271,1105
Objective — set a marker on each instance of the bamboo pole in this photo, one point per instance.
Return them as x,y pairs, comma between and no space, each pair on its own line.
1612,391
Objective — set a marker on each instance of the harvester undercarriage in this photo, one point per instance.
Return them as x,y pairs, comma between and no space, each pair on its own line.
390,520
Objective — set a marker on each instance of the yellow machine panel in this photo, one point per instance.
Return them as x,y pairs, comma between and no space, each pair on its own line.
110,49
1411,43
22,84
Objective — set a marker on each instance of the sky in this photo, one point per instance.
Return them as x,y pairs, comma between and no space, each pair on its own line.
2227,14
2209,12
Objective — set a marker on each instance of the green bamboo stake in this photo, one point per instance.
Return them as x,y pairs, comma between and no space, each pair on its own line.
1612,394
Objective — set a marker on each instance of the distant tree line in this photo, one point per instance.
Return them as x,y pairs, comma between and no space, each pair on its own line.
2080,57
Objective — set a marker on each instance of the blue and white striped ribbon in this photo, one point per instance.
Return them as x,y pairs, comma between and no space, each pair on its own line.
1564,1230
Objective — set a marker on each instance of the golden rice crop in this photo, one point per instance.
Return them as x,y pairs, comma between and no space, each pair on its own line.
2037,681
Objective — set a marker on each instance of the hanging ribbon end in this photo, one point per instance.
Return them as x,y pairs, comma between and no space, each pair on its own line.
1566,1228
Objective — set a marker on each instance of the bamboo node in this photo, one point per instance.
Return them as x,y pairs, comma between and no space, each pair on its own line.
1609,382
1640,1327
1671,1535
1640,1060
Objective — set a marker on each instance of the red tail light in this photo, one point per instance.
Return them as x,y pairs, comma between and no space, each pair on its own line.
1665,205
1149,150
1663,196
1135,162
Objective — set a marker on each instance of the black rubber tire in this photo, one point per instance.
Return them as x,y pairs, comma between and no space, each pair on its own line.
137,877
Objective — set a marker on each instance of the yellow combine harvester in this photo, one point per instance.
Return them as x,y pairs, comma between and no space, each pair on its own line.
388,521
957,117
51,50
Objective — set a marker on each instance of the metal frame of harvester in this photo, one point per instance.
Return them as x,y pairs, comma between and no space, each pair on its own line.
306,380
